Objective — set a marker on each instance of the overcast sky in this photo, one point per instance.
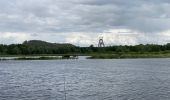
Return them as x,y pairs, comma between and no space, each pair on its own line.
82,22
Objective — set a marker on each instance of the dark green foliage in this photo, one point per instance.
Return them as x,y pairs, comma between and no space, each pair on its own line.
66,57
41,47
3,49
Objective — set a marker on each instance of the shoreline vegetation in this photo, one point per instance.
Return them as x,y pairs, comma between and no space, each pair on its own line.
87,56
128,56
21,57
41,50
37,58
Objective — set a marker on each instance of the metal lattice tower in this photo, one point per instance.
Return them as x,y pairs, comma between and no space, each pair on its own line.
101,42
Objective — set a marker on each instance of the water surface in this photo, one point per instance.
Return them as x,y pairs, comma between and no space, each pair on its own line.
116,79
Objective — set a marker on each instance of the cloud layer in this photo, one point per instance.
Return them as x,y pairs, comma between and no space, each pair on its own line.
81,21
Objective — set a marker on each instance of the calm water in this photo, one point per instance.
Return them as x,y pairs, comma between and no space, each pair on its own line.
121,79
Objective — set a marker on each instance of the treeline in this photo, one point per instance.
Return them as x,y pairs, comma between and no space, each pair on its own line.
41,47
136,49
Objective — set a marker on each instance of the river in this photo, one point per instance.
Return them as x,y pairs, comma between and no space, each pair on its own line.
85,79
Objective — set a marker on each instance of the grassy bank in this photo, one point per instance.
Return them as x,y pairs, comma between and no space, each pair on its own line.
114,55
129,55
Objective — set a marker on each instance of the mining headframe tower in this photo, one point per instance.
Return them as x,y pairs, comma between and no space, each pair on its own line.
101,42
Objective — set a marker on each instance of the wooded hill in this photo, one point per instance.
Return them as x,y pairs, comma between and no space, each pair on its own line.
36,47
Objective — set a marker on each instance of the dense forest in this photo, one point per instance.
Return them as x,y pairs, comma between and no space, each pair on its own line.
42,47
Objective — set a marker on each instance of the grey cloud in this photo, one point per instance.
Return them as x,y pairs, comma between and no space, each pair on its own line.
64,16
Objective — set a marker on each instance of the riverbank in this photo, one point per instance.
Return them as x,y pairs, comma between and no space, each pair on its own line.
37,57
89,56
129,55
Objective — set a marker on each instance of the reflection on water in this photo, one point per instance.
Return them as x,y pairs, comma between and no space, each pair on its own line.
121,79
